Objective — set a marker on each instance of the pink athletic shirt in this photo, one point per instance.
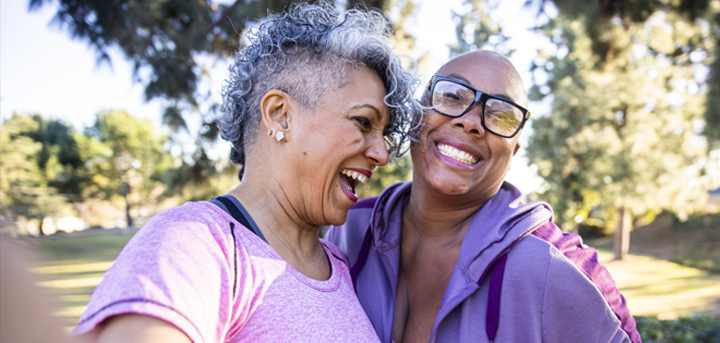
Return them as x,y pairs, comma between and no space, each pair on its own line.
196,267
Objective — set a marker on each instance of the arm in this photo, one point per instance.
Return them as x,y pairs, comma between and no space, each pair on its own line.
140,329
25,309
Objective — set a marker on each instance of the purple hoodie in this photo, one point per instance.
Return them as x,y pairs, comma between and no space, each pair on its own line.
547,295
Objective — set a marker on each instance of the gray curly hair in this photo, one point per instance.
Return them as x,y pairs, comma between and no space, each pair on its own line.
307,51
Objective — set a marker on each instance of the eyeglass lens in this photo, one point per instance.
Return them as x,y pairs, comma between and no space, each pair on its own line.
452,99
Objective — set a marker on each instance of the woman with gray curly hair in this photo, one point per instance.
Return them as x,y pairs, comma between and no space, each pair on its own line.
313,103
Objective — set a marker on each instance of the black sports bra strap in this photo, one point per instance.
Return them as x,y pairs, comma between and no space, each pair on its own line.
239,216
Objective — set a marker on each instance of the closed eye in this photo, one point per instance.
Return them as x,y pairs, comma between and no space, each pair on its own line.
364,123
450,97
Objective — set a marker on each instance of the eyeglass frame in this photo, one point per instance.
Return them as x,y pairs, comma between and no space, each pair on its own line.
479,97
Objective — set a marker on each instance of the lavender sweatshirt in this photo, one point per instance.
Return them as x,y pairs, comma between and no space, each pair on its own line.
545,297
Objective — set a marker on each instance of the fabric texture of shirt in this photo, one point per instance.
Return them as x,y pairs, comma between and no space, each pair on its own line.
197,268
545,297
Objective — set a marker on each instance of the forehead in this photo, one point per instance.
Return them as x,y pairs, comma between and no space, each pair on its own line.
362,89
487,72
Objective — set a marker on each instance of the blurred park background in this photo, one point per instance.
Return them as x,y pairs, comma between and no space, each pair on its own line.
109,110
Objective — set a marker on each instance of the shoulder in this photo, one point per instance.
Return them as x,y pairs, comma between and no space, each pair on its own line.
547,268
540,255
194,223
189,213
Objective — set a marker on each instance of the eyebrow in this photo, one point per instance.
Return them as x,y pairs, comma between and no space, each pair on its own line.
463,79
378,116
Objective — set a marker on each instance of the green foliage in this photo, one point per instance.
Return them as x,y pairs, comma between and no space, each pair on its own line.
398,171
682,330
170,38
485,32
59,156
695,29
704,254
119,149
201,180
45,166
709,262
30,164
171,43
627,111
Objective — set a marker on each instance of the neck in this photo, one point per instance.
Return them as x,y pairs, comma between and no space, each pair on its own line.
432,214
277,218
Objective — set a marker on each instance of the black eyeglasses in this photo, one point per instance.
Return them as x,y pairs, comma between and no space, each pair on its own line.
453,98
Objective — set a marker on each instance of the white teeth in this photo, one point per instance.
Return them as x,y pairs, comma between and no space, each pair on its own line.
456,154
355,175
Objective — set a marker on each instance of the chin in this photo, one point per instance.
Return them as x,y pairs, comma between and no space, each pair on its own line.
337,222
448,186
453,189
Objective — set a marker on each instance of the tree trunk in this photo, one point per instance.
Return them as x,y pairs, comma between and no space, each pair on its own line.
125,191
622,233
40,227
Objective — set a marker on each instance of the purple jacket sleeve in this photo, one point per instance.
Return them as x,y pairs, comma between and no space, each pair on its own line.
586,259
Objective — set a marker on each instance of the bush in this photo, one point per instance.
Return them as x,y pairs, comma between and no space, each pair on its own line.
682,330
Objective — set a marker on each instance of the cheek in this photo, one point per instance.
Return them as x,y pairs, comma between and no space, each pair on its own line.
425,139
502,154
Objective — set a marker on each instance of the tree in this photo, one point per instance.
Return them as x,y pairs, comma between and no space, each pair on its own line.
124,157
59,156
628,111
25,193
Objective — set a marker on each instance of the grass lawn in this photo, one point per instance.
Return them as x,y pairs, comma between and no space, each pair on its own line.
655,287
73,265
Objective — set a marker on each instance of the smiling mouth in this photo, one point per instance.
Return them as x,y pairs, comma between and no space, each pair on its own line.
353,179
456,154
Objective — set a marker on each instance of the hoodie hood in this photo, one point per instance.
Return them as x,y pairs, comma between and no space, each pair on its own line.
500,223
388,208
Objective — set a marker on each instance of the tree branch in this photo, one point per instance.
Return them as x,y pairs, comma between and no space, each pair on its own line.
225,14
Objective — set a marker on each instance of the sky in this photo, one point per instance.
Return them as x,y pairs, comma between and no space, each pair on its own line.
44,71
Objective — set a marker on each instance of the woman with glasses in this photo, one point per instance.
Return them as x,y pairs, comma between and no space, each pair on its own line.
454,255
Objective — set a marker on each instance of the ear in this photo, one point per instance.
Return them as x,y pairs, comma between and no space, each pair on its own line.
275,108
517,147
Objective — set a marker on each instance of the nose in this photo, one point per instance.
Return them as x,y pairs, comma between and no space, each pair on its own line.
377,151
471,121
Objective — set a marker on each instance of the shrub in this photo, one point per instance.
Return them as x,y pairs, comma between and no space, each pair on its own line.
700,329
